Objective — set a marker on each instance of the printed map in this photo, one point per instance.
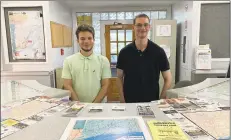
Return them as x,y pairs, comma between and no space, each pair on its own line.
209,121
26,33
104,129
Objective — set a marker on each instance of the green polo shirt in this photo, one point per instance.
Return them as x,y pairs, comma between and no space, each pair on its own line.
86,74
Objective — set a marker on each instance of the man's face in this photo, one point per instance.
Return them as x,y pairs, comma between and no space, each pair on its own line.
86,41
141,27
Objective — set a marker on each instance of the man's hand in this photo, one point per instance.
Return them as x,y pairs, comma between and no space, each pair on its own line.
163,96
105,83
74,99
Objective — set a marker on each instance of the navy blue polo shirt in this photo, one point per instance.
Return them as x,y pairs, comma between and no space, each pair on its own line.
142,71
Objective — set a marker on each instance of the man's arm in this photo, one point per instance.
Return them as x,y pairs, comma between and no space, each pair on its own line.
167,76
120,81
68,85
103,91
105,80
67,79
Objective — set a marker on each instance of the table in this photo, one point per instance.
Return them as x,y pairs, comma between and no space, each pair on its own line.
201,75
52,128
12,90
211,89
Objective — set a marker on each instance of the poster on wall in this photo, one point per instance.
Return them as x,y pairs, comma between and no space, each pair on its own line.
163,30
167,50
25,34
84,19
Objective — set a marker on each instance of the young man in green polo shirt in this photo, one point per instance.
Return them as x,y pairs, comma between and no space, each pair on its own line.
86,75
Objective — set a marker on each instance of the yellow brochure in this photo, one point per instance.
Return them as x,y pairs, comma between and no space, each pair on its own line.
166,130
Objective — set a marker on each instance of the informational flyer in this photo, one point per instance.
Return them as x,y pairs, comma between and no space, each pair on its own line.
166,130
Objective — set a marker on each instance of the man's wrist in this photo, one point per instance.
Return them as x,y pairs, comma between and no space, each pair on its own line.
163,95
122,99
95,102
74,98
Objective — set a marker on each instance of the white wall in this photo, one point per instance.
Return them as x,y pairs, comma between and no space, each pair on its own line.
74,23
181,14
4,66
51,11
63,15
27,66
196,33
192,15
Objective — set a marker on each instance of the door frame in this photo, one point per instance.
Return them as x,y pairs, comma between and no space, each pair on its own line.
102,31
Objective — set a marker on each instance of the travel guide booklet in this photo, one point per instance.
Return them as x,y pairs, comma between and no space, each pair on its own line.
95,109
119,128
118,108
145,110
21,114
74,110
166,130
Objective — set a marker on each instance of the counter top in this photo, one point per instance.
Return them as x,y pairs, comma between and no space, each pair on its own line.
212,71
52,127
211,88
12,90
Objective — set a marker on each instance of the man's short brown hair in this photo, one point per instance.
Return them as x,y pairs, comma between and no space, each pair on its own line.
85,28
140,16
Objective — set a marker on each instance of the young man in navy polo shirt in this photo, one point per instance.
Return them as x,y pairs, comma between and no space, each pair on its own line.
139,65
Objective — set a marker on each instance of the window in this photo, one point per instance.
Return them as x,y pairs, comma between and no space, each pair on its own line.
116,38
96,17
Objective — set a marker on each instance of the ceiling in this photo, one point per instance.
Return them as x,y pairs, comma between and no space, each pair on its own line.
113,3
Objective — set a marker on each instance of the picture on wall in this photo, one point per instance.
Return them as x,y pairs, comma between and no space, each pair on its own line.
25,34
84,19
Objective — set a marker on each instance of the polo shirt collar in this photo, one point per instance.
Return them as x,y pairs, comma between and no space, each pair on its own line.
134,45
84,57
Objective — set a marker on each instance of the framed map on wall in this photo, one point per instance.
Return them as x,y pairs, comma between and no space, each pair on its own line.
25,34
